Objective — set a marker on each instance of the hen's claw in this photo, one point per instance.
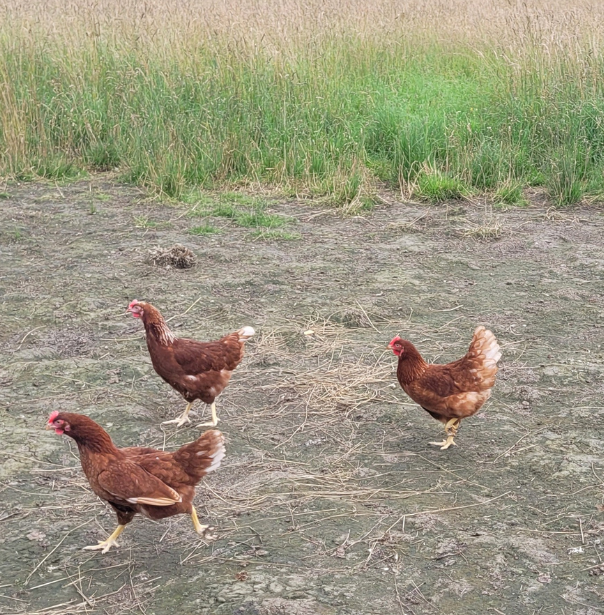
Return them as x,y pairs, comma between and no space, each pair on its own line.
200,529
451,427
214,420
105,545
445,444
182,419
210,424
179,422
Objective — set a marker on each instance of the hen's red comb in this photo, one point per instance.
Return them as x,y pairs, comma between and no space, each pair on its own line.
133,303
395,339
53,416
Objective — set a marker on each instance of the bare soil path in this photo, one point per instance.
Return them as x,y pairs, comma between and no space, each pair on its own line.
330,500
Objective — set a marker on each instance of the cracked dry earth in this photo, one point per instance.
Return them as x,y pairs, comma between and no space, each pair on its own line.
330,499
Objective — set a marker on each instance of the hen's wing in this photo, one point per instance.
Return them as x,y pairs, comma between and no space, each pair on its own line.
135,451
460,388
128,481
197,357
186,466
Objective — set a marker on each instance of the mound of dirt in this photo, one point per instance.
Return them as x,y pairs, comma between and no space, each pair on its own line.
177,256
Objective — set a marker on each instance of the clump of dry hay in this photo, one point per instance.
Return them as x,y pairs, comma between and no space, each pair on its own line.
328,380
177,256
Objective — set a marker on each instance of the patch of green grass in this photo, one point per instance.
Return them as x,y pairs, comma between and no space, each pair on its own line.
58,168
204,229
103,157
510,194
243,209
359,109
564,182
255,219
271,235
438,187
144,222
16,234
4,195
251,217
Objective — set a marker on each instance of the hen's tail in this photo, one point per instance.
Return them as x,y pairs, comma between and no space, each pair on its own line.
483,354
245,333
202,456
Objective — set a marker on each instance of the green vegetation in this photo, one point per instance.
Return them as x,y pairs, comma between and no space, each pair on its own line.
327,113
204,229
275,235
243,210
509,194
144,222
439,187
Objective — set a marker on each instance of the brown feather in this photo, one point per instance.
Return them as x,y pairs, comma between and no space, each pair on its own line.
454,390
142,480
197,370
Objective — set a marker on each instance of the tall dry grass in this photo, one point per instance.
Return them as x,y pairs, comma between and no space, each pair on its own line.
322,96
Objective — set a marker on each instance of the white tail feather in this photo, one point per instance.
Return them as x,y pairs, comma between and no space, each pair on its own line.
245,333
489,348
217,456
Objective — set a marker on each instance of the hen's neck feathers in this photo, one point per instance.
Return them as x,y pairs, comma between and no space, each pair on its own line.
89,435
411,365
156,326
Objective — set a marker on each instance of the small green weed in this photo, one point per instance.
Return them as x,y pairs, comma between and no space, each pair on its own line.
101,196
17,234
204,229
242,209
4,195
144,222
270,235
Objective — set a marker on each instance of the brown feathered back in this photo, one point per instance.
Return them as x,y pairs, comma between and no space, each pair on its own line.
453,390
197,370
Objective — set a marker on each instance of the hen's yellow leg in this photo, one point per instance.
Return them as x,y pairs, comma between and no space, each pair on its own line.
215,418
451,427
182,419
105,545
200,529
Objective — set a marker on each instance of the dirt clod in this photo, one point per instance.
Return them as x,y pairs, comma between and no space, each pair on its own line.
177,256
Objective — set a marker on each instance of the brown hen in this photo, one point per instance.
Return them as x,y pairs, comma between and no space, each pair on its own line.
140,480
197,370
453,391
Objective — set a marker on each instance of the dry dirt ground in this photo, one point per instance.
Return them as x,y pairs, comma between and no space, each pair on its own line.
331,499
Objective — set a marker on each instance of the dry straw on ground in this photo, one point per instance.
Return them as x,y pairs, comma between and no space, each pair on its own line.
551,26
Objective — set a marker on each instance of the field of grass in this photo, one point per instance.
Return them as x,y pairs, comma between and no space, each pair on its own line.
321,98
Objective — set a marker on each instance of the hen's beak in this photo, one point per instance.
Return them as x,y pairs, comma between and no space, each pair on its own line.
48,426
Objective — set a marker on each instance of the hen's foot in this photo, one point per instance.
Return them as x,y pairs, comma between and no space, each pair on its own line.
214,420
179,422
445,444
199,528
105,545
182,419
210,424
